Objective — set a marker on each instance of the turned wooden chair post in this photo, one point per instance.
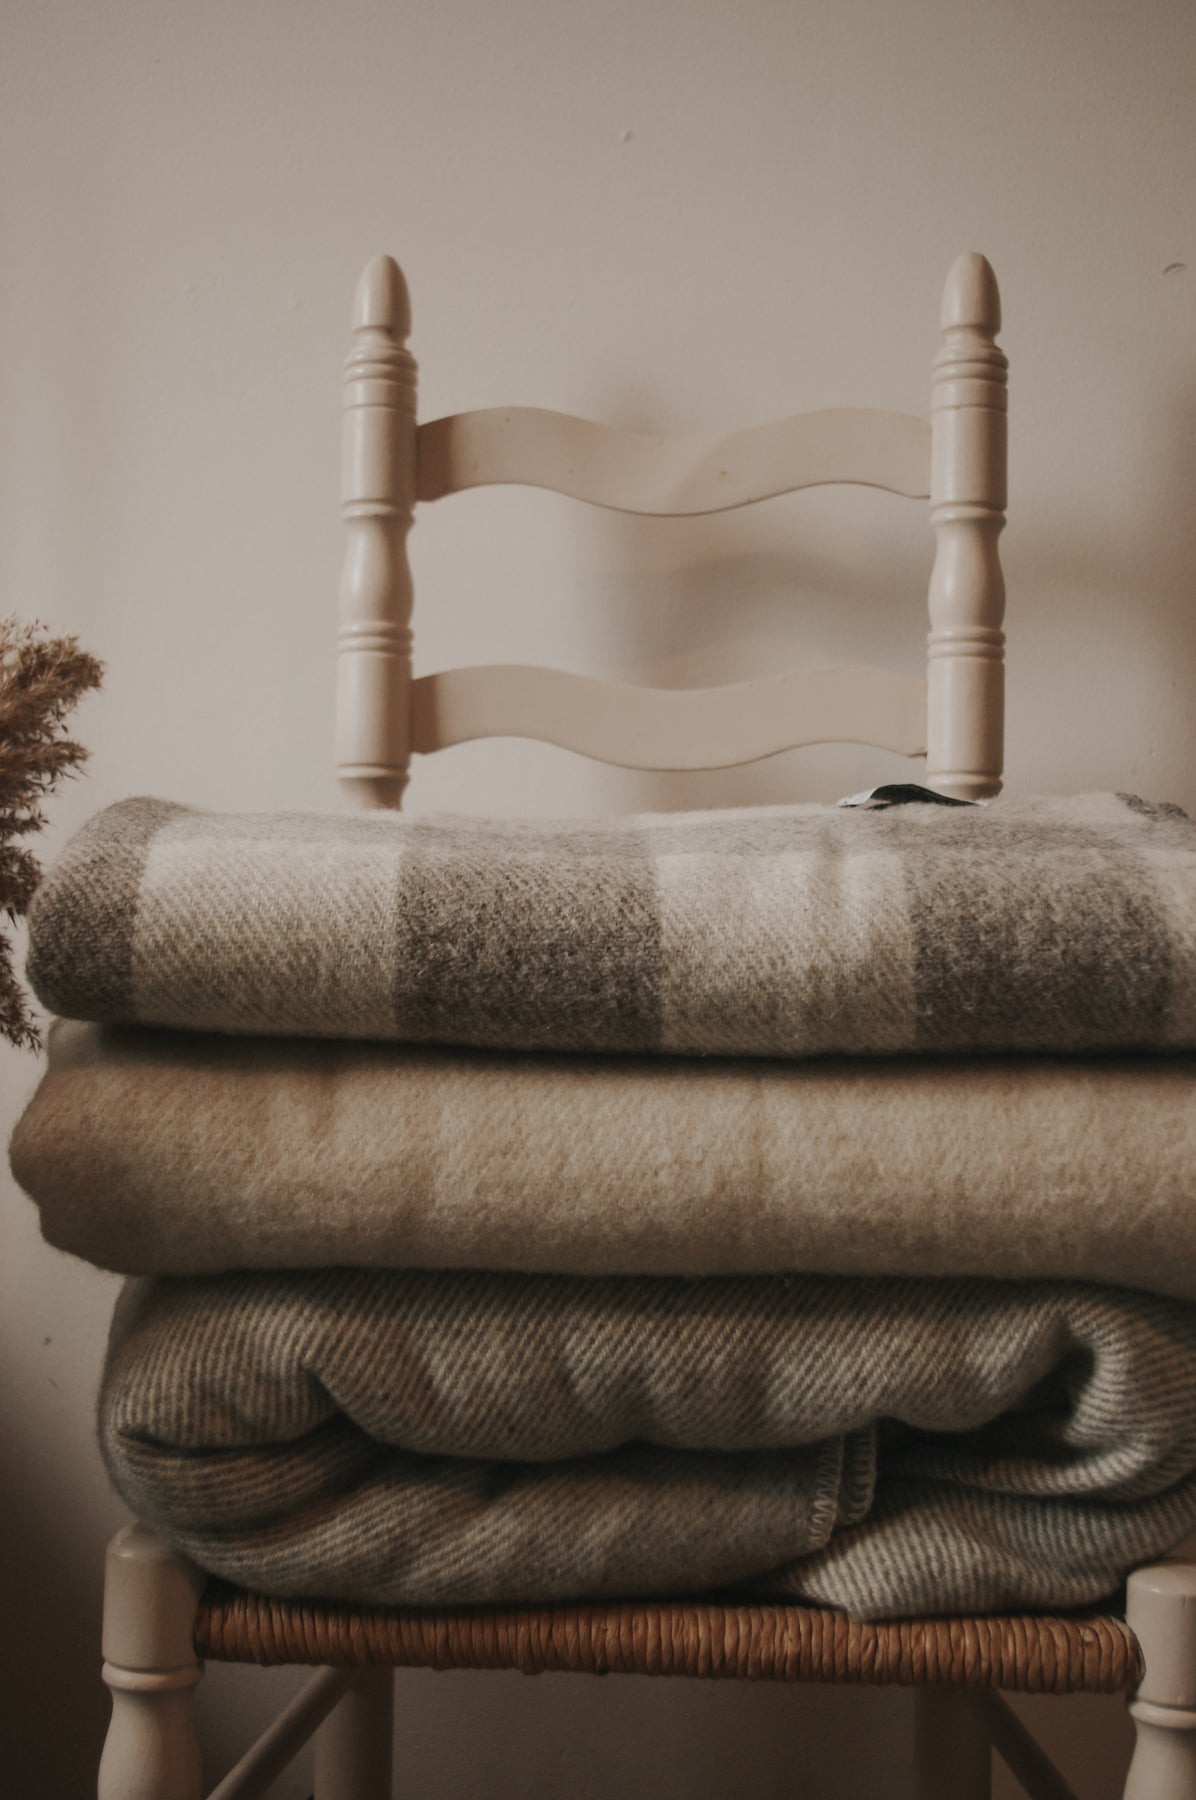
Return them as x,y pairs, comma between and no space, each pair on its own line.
373,710
966,669
1161,1612
151,1751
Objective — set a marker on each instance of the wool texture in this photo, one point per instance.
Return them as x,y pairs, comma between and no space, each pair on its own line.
886,1447
1052,924
157,1152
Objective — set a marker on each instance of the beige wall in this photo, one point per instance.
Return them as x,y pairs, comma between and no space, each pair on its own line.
675,213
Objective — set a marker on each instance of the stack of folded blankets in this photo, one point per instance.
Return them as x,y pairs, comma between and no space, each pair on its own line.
798,1201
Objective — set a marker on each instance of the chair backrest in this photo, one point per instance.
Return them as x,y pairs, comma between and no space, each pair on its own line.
957,460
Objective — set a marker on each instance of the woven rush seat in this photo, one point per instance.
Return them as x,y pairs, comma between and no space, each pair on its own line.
1094,1653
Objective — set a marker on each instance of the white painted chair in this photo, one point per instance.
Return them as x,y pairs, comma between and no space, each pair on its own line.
158,1617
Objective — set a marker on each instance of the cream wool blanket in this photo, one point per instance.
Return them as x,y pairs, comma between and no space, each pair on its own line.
886,1447
173,1153
1041,925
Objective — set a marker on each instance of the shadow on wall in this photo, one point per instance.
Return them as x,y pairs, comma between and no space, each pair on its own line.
54,1710
803,582
1102,617
574,1737
1094,622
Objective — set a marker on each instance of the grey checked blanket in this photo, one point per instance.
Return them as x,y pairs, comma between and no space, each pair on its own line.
888,1447
1058,924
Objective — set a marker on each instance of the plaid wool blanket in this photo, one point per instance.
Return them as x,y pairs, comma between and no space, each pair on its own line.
1057,925
161,1152
886,1447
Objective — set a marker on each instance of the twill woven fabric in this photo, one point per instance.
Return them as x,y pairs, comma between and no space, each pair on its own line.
886,1447
1062,925
160,1152
796,1201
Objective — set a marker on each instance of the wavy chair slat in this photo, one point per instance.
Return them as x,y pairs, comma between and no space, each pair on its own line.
670,728
390,462
672,476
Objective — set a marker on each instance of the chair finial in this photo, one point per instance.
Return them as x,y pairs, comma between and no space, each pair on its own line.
373,709
971,295
382,299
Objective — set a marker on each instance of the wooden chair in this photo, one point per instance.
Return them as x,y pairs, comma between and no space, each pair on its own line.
161,1615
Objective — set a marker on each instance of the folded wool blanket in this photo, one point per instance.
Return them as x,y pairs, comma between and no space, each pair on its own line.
886,1447
157,1152
1056,925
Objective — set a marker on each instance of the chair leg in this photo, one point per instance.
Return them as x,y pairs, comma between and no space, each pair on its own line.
953,1757
151,1751
1161,1612
354,1744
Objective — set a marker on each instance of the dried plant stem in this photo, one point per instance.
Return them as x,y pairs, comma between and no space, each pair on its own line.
41,679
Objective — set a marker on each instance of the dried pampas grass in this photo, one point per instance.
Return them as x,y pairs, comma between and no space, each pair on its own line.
41,678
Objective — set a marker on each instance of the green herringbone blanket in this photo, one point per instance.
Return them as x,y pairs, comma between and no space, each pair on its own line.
1059,925
883,1446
